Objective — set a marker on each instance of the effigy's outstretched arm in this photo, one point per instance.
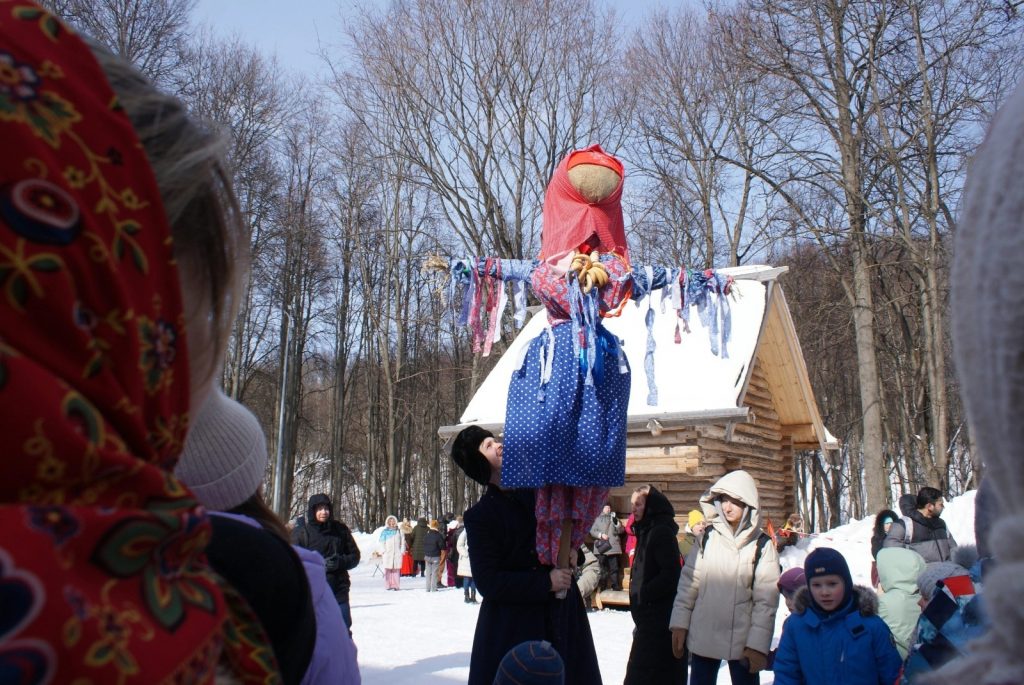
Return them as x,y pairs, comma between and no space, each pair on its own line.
483,286
483,278
645,278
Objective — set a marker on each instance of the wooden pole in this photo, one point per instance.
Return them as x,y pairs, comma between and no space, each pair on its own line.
564,548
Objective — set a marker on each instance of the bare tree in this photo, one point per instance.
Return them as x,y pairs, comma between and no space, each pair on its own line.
151,34
695,108
236,88
819,53
302,276
481,100
354,211
943,69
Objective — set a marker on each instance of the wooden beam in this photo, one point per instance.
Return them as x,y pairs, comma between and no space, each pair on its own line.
656,452
749,371
643,438
661,460
755,273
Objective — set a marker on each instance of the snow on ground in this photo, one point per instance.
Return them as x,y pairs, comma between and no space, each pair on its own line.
413,636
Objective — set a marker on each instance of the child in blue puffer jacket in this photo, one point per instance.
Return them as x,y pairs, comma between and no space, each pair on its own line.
835,635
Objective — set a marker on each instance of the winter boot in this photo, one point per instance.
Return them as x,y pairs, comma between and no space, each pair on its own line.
472,596
465,593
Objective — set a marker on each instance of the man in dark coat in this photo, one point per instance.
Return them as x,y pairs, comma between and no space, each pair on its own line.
922,530
418,535
334,541
608,527
433,547
652,589
452,551
519,602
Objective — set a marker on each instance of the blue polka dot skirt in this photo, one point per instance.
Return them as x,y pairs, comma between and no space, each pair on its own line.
564,431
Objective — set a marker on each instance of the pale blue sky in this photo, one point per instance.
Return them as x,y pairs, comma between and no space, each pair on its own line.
293,34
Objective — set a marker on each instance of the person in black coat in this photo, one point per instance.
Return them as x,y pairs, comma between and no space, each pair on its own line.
433,545
652,589
883,521
418,535
519,601
333,540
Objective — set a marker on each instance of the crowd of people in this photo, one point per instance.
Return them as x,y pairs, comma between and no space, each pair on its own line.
708,596
698,598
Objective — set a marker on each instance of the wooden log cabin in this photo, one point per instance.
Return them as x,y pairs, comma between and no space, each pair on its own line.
710,413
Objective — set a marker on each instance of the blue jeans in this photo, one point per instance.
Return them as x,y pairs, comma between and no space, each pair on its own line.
704,671
346,615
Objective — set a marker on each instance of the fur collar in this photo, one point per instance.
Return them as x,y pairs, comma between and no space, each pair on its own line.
864,597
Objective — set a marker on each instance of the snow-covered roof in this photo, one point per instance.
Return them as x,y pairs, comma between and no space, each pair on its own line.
694,385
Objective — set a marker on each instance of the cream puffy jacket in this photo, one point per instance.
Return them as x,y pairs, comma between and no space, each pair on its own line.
391,549
462,544
722,600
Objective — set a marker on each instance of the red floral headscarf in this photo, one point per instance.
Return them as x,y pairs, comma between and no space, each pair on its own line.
102,574
570,221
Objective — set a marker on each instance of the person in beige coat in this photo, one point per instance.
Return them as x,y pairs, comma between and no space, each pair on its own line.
727,596
390,548
465,571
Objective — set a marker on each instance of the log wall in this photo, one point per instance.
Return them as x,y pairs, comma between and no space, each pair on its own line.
683,463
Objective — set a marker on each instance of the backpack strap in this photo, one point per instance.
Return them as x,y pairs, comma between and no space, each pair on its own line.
762,540
704,540
908,530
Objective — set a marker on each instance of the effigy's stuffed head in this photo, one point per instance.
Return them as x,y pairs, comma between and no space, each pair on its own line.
467,455
595,175
582,205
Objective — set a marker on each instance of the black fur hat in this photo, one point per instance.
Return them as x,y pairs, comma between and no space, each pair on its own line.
466,453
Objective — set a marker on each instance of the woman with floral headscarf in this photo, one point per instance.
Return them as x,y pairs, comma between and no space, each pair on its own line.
107,192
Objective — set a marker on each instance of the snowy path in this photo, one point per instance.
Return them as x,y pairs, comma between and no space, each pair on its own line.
415,637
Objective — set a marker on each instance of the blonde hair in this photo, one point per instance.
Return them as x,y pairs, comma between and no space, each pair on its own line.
211,242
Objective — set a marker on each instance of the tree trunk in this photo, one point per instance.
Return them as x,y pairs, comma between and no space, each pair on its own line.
876,485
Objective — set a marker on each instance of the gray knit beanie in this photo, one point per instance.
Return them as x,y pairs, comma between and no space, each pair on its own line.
225,456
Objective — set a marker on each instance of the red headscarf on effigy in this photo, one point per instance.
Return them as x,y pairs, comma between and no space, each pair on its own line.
102,573
571,222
